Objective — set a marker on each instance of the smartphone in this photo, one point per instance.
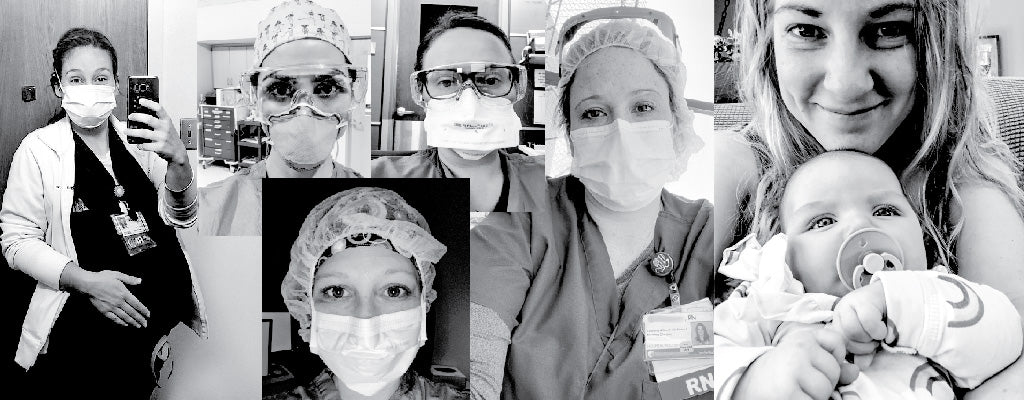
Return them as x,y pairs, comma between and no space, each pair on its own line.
141,87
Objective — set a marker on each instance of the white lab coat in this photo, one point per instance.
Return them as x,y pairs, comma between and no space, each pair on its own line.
35,219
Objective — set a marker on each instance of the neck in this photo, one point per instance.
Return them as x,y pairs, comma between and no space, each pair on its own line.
384,394
277,167
640,219
463,167
94,138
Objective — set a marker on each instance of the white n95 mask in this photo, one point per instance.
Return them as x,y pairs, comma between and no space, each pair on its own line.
304,135
623,164
367,354
472,123
88,106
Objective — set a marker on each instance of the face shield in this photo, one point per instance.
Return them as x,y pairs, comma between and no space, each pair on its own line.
487,80
328,91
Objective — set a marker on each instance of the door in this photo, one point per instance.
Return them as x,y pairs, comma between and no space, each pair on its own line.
400,118
29,30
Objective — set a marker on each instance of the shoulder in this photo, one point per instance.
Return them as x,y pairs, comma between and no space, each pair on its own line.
439,390
733,150
691,212
341,171
417,165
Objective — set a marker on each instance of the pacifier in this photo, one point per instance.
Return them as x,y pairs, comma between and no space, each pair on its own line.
865,253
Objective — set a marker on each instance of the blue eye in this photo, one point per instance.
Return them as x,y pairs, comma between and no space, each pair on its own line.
644,107
821,222
886,211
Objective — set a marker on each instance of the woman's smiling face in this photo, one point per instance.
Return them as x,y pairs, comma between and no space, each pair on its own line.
846,68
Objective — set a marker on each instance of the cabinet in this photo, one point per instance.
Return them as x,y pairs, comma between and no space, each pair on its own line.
218,140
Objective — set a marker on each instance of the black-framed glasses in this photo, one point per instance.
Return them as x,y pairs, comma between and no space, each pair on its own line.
486,79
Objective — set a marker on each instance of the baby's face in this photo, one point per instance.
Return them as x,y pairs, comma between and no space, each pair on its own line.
834,196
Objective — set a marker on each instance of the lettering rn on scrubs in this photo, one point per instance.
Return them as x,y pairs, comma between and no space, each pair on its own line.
304,105
547,303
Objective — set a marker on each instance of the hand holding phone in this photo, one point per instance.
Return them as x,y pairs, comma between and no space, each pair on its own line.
141,87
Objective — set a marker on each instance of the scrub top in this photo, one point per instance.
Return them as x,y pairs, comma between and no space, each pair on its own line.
524,189
547,275
233,206
413,387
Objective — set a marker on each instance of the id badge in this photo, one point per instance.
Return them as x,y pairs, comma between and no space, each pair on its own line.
678,345
134,232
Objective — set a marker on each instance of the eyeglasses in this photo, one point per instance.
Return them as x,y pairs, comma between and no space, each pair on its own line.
333,88
486,79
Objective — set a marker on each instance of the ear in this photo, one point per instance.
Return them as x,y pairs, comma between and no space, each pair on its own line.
55,85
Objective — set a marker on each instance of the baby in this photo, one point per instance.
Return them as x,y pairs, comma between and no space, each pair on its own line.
848,274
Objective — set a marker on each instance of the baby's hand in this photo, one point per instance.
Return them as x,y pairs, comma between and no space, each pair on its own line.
861,317
808,364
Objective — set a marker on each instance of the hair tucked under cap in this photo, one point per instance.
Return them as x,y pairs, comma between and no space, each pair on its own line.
357,212
300,19
654,46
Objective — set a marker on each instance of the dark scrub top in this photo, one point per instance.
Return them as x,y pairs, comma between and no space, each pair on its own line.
88,354
548,277
234,206
523,189
411,387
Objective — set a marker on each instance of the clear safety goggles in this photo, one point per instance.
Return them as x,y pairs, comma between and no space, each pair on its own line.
486,79
331,88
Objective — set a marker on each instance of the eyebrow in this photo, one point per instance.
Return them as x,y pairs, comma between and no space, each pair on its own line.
878,12
596,96
886,9
78,70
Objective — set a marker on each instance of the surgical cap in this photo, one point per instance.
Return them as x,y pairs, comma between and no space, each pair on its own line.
653,45
357,212
300,19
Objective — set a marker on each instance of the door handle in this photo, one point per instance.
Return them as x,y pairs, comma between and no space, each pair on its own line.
402,112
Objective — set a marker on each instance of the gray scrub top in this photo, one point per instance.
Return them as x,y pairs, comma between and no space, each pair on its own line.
525,174
548,277
233,206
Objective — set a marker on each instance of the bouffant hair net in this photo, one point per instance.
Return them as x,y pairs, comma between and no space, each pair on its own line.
352,216
653,45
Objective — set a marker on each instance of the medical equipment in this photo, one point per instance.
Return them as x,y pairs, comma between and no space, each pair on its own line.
486,79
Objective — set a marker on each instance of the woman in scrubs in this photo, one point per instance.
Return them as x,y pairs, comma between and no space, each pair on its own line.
558,294
467,81
93,220
360,284
305,88
897,80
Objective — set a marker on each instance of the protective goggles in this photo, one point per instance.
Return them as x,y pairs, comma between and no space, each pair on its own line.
486,79
332,88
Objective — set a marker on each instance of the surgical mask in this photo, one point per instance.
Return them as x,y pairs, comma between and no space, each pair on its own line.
472,123
88,106
624,165
304,135
366,354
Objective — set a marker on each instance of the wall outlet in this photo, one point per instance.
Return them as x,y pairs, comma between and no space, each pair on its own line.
28,93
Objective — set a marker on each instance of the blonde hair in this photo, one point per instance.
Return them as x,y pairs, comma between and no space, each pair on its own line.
957,132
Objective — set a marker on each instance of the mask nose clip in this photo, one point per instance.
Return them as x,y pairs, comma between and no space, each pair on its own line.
864,253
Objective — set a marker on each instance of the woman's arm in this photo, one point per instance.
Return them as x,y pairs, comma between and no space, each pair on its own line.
989,251
501,272
24,224
735,175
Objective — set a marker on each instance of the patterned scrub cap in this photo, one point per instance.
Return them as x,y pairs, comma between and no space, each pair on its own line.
653,45
349,218
300,19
